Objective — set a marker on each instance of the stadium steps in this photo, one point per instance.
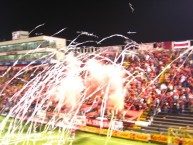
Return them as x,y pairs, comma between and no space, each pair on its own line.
169,124
187,120
157,130
128,125
143,117
163,121
152,131
186,113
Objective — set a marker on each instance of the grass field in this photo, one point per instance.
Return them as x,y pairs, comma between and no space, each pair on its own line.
94,139
81,138
59,138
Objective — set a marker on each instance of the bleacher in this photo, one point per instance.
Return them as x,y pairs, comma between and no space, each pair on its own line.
155,97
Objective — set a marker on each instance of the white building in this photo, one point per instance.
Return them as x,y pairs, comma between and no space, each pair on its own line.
27,49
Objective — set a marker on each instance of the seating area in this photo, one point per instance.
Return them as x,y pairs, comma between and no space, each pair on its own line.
153,81
163,121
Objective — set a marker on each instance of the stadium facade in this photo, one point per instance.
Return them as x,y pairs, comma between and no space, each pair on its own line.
27,50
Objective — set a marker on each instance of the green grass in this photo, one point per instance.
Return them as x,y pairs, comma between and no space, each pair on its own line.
94,139
82,138
59,138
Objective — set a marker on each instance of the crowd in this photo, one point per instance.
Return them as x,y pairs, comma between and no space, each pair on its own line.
168,84
158,83
162,83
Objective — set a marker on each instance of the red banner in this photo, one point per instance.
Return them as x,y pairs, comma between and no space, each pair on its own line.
98,123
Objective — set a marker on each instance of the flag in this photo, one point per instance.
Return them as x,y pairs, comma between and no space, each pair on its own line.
167,45
181,44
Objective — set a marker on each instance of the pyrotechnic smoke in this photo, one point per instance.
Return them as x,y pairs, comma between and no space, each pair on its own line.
108,76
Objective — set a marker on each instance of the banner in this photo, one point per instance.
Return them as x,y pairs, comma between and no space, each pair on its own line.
159,138
98,123
181,44
121,134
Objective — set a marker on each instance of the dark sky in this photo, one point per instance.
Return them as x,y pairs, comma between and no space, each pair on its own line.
152,20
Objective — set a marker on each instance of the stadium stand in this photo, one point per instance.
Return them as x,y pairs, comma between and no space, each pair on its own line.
167,98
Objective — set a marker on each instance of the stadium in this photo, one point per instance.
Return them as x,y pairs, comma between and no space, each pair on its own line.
53,93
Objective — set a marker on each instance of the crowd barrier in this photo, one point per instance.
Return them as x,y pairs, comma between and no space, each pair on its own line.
127,134
137,136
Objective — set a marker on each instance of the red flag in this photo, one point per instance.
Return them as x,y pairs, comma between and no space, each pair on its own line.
167,45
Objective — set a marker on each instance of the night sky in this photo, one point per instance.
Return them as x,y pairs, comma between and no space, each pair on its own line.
152,20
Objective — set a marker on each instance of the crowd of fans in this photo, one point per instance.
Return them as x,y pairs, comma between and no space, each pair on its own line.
168,84
161,83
